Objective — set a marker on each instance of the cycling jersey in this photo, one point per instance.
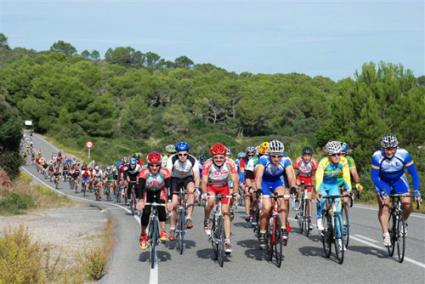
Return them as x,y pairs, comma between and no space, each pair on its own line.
240,164
250,167
154,185
133,173
184,169
304,169
328,173
389,174
218,177
273,175
351,165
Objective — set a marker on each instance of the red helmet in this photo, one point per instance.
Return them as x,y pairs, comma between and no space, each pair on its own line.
218,149
154,158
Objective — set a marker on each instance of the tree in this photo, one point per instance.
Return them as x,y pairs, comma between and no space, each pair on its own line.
64,47
85,54
95,55
183,62
3,41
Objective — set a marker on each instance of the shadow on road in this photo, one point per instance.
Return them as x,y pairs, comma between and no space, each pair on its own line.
253,251
188,244
242,225
205,253
162,256
311,251
369,251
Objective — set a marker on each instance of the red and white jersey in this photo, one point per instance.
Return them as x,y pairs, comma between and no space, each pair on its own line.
219,176
154,182
305,169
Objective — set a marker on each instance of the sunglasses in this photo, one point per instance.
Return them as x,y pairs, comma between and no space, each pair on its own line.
154,166
218,158
276,156
334,155
182,155
250,155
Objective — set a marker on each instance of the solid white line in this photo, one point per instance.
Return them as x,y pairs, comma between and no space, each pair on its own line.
153,275
415,215
420,264
366,238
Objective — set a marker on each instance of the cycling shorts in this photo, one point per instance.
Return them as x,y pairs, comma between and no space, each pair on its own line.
399,187
86,179
308,181
220,190
269,187
177,183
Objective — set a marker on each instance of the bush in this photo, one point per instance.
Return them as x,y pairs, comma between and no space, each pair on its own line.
20,258
14,203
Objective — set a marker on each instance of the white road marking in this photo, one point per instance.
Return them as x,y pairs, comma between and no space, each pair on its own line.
408,259
366,238
415,215
153,275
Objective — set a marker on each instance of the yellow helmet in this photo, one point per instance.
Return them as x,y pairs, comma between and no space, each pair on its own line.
263,148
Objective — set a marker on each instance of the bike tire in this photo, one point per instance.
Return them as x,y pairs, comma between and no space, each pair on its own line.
401,239
393,234
327,235
182,223
154,242
307,220
278,243
300,219
220,235
346,225
339,251
212,238
271,236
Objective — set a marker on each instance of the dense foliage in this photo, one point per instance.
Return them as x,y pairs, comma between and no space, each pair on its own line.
135,101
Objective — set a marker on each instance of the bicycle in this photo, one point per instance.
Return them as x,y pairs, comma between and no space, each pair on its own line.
84,185
332,224
133,201
397,231
217,228
274,236
181,219
256,214
303,214
153,232
346,220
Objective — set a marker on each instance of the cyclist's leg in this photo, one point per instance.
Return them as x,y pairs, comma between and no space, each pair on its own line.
248,184
402,187
334,190
266,206
283,206
175,186
320,205
384,213
190,187
225,210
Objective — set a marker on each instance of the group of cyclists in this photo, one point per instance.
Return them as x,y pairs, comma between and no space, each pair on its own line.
256,175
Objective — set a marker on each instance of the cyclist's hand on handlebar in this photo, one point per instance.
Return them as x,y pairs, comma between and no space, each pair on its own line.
293,190
169,206
359,187
417,195
383,197
236,195
204,196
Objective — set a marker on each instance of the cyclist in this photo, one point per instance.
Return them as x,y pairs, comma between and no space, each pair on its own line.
304,167
154,182
215,177
251,161
184,170
388,175
131,175
330,168
170,150
269,178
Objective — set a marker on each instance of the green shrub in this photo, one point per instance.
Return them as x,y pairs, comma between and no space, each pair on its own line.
14,203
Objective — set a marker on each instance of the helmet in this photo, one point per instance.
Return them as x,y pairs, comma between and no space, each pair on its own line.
133,161
154,158
263,148
345,147
276,147
182,146
96,168
250,149
307,150
333,147
202,157
118,163
228,152
170,149
389,141
241,155
218,149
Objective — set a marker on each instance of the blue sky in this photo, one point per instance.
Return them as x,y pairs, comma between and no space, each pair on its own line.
329,38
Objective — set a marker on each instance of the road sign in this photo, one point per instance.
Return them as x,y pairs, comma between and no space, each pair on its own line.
28,122
89,144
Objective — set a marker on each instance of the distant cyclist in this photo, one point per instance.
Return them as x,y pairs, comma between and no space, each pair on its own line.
388,175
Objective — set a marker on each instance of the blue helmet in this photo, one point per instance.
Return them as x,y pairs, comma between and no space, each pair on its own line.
202,157
345,147
133,161
182,146
118,163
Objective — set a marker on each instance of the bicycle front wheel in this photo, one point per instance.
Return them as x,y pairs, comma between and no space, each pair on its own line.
401,239
220,239
306,219
339,239
327,235
154,243
392,220
278,242
182,224
300,217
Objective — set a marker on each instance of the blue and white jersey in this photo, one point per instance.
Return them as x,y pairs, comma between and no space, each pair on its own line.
274,172
391,170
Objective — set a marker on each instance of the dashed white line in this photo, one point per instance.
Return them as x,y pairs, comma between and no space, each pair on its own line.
366,238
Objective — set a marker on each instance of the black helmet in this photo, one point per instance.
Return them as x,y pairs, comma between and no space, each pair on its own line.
307,150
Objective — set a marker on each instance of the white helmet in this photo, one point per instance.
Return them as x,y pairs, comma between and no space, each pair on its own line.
276,147
389,141
333,147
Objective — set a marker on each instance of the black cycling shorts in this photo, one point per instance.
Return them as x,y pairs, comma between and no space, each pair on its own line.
177,183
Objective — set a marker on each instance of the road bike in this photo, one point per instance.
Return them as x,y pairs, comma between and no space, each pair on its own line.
153,232
333,229
398,225
274,233
181,219
303,215
133,201
217,228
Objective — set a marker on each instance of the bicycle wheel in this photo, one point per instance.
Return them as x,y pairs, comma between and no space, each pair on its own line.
306,221
401,239
213,239
327,235
153,243
393,233
278,243
220,239
182,224
271,238
346,222
300,217
339,249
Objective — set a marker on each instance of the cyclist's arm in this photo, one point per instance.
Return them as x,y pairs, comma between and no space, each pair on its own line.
235,180
196,176
204,183
346,176
319,176
290,174
259,171
141,187
380,185
414,174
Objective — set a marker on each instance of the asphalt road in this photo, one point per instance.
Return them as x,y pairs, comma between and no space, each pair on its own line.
365,260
